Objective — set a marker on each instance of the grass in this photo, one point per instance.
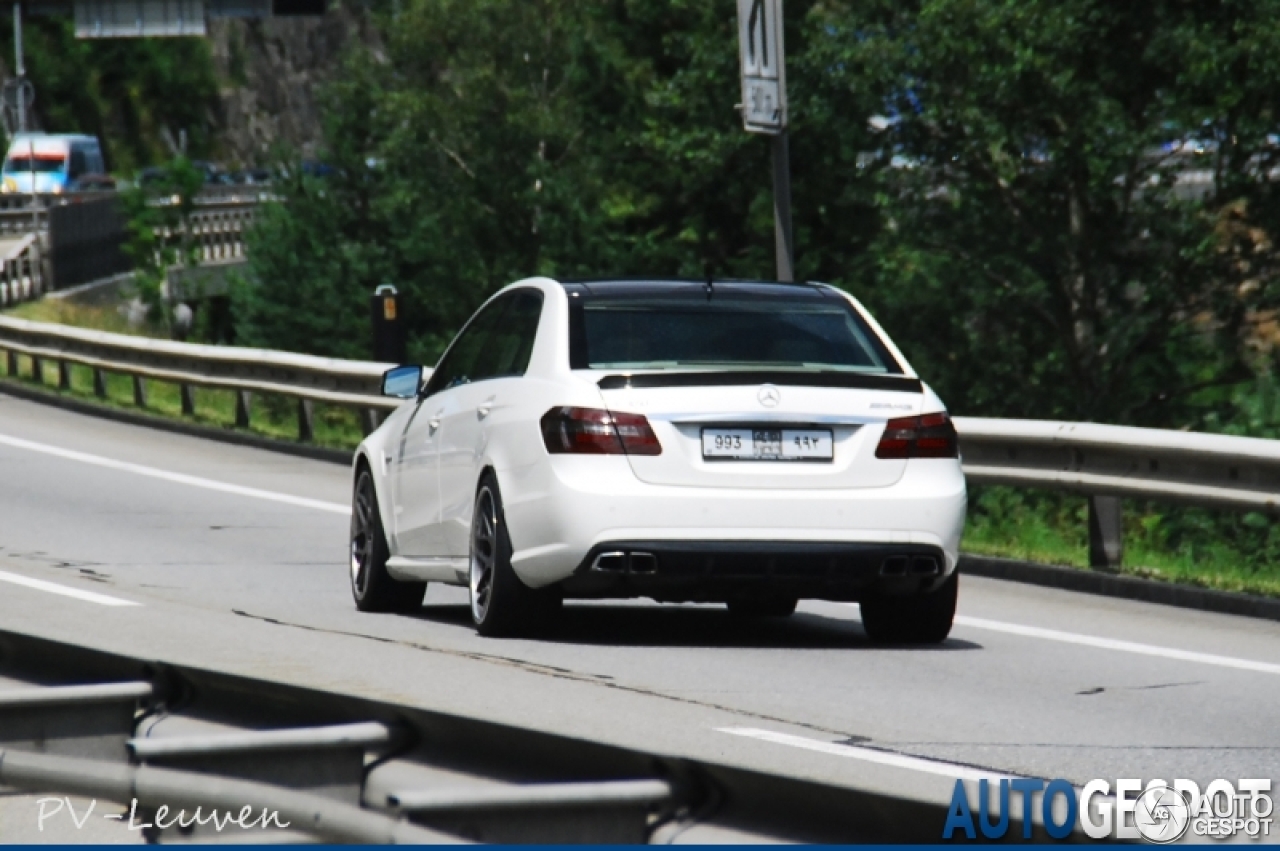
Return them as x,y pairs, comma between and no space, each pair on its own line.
271,416
92,316
1226,551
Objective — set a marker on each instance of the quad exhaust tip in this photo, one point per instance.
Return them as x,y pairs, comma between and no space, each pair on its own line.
625,562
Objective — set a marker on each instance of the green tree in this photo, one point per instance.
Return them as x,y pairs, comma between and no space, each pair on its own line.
159,233
129,92
1036,249
996,179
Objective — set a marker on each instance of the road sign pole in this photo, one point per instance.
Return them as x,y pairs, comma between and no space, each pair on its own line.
19,70
764,110
784,247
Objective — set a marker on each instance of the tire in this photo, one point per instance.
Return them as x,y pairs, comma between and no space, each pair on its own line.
762,607
914,619
501,604
372,587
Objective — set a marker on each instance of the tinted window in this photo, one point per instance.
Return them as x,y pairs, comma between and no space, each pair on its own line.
41,163
507,350
496,342
78,164
653,332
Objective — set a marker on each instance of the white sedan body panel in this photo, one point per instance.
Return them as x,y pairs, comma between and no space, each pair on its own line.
428,457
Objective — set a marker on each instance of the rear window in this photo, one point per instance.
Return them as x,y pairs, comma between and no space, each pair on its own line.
653,332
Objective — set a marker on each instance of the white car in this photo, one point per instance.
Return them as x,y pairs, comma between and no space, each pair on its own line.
746,443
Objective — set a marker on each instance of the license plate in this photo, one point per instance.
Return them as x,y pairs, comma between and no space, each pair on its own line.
765,444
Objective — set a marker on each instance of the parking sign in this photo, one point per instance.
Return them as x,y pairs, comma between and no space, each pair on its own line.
764,81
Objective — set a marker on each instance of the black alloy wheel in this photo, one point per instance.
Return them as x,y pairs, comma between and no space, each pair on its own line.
501,604
372,587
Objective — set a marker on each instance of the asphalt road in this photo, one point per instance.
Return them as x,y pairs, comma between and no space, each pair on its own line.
232,558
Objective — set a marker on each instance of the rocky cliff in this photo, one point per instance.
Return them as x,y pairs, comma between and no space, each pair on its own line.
271,72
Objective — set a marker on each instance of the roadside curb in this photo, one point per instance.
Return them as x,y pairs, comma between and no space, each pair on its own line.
138,418
1125,587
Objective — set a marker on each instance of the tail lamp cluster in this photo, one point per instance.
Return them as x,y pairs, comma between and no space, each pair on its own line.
589,431
929,436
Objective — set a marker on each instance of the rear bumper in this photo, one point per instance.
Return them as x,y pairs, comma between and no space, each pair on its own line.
713,571
563,512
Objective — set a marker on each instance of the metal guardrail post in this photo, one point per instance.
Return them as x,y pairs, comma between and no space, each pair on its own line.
64,375
368,421
306,420
1106,532
139,391
187,394
99,383
37,370
244,399
12,363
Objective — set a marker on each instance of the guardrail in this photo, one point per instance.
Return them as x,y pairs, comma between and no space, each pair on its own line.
308,379
284,763
23,275
1110,463
217,229
80,235
1106,463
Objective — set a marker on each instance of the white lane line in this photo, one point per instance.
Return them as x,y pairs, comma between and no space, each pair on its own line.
63,590
1114,644
180,478
949,770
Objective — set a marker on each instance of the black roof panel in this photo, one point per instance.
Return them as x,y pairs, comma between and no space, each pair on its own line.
631,288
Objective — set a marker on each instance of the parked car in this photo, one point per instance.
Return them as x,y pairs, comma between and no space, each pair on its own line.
746,443
53,163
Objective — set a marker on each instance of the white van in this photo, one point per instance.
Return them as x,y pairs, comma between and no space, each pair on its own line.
53,163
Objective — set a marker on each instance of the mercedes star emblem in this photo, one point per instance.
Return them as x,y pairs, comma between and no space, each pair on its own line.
769,396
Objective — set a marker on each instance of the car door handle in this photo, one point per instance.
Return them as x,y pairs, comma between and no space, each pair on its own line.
485,407
434,423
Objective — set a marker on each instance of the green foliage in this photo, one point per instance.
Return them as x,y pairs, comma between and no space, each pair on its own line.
1223,550
1015,221
511,139
1034,237
159,239
128,92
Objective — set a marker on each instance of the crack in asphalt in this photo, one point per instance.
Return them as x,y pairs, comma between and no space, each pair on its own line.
601,680
843,737
1101,689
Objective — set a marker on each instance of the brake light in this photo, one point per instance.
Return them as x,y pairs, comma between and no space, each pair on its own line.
930,436
590,431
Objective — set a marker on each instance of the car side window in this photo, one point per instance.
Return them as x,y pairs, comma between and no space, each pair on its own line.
460,362
510,346
78,164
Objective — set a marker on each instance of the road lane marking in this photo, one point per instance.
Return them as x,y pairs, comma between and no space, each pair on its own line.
63,590
1115,644
180,478
951,770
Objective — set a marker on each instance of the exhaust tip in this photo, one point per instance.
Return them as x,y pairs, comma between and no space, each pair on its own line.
610,562
894,566
924,566
644,563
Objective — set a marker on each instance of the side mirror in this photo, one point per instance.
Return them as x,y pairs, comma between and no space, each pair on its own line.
402,382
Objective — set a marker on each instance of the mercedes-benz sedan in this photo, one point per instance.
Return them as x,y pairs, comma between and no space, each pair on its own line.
752,444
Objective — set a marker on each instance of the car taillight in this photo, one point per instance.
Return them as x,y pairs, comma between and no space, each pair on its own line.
590,431
930,436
